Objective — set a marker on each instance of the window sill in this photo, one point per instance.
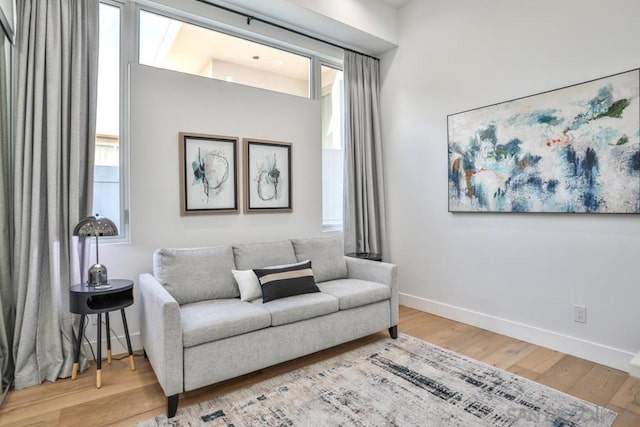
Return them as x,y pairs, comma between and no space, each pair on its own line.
332,227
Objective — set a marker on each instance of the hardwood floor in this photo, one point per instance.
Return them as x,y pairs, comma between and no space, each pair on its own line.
127,397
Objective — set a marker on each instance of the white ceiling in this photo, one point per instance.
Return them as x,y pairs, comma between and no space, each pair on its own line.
194,47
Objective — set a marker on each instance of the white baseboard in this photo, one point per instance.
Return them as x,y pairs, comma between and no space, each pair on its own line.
634,369
599,353
118,344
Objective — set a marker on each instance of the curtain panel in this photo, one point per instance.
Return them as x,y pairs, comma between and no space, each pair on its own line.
6,295
364,203
56,85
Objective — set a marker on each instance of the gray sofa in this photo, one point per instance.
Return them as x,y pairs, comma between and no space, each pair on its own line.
197,331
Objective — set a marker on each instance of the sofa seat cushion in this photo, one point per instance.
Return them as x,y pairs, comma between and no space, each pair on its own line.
298,307
214,320
354,292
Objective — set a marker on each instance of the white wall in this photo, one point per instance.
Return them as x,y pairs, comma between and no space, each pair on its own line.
371,16
519,274
367,25
164,103
256,78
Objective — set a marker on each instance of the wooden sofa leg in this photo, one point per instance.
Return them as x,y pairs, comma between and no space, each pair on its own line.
393,331
172,405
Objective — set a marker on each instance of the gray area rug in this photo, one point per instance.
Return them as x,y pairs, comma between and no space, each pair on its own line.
403,382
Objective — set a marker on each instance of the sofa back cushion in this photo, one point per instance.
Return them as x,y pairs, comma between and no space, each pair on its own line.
259,255
196,274
326,255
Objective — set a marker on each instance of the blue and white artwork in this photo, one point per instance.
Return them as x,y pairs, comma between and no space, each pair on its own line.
573,150
267,176
208,174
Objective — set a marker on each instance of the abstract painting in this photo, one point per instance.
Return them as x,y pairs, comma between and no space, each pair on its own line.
571,150
267,179
208,174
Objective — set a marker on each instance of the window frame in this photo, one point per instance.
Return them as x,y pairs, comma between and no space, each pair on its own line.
337,66
129,53
125,8
317,61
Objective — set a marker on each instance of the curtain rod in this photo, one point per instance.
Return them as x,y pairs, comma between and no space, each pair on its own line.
251,18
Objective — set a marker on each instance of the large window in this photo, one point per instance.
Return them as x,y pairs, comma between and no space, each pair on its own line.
332,100
179,46
107,187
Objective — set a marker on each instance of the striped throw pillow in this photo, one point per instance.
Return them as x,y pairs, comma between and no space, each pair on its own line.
286,281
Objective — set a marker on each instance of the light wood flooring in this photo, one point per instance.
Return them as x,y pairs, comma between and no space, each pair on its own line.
127,397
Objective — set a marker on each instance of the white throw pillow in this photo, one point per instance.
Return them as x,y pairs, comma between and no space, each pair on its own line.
248,284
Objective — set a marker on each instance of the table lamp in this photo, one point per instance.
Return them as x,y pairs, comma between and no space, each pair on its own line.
96,226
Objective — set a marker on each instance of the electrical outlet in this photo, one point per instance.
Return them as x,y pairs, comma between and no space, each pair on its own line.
579,314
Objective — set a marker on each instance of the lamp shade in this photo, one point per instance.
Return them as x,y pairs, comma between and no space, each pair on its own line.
95,226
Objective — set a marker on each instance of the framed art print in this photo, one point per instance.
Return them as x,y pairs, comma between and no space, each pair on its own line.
569,150
208,174
267,176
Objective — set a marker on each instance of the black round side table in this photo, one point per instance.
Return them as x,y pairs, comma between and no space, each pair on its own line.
371,256
85,300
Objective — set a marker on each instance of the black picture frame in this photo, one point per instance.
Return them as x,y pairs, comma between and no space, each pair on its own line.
267,176
208,174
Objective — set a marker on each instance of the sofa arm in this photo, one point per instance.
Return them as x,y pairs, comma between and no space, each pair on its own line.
380,272
161,332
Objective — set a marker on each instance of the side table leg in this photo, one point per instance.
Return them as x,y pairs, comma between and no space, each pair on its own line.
126,334
106,318
99,354
76,358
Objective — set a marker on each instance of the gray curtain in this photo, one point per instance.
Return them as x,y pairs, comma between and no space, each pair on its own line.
364,211
56,85
6,295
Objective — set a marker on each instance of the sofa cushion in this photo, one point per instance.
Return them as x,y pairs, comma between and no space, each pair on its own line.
259,255
286,281
326,255
196,274
248,284
299,307
214,320
355,293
